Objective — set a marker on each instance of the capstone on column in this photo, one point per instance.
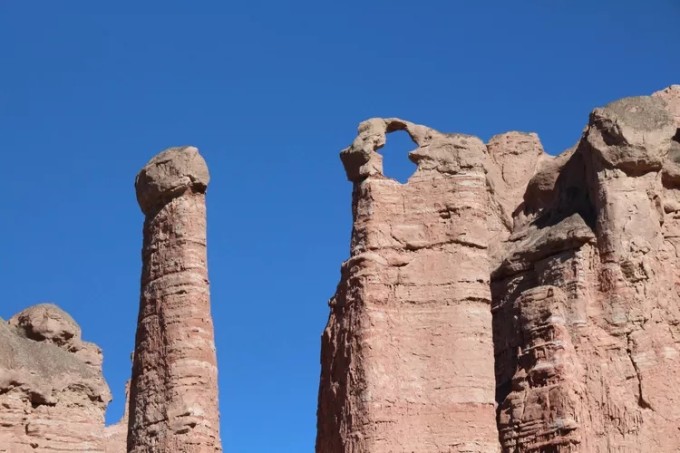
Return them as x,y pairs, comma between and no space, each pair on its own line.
173,395
407,354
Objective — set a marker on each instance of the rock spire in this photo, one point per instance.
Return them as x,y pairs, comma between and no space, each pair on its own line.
173,394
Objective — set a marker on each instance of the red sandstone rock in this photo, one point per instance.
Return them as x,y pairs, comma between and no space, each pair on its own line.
115,436
407,352
173,396
52,392
544,410
581,255
591,367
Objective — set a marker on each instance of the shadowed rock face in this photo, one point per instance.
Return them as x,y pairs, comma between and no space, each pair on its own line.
52,392
571,262
173,395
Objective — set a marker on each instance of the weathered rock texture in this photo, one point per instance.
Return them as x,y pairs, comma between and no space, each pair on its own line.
52,393
173,394
575,257
586,303
407,354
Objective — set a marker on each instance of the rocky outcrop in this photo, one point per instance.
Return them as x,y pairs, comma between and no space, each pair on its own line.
406,355
500,300
578,255
52,392
173,394
612,256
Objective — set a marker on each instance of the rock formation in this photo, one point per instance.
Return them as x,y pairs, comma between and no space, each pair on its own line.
52,392
576,259
501,300
407,356
173,394
586,297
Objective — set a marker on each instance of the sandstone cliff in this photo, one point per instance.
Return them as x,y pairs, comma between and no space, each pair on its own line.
575,259
586,296
413,304
52,392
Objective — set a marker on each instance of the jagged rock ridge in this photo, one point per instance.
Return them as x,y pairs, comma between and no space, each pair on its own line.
575,259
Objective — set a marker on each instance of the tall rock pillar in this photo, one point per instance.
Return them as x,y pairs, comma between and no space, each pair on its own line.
173,395
407,355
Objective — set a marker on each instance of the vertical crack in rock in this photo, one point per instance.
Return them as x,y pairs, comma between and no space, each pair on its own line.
407,355
641,399
543,411
173,394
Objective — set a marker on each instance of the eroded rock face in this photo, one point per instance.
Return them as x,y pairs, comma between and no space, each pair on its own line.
581,254
406,355
52,392
173,395
544,409
616,322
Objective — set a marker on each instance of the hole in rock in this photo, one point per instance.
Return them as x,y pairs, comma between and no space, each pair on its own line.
396,164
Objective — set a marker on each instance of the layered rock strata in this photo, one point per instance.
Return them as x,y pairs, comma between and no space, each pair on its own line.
173,394
52,393
407,353
581,254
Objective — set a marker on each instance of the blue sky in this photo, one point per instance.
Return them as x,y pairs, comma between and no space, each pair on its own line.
269,92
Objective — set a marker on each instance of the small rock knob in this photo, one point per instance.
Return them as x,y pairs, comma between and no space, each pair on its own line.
169,174
46,322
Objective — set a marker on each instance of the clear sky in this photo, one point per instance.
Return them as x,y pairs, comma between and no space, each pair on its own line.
269,91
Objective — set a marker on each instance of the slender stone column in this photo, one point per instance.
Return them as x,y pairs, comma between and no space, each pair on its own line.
173,395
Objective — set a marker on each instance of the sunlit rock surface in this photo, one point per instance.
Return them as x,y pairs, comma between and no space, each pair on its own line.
173,393
561,273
